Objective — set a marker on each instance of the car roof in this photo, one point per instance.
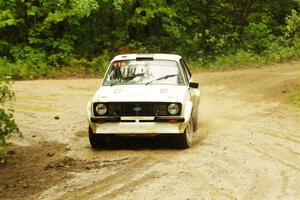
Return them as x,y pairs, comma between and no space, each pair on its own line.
155,56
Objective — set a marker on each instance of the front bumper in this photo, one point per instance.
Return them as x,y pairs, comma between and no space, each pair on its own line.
138,125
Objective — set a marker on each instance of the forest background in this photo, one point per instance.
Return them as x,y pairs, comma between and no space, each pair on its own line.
42,37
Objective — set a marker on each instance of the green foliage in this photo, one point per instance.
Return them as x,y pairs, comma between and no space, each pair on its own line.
293,31
240,58
7,123
293,25
40,36
97,65
30,67
100,63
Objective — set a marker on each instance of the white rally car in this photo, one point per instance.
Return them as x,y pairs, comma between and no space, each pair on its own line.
145,94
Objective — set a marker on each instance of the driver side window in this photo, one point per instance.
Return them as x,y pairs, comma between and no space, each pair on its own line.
186,70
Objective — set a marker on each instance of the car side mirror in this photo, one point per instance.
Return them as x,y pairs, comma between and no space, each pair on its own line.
194,85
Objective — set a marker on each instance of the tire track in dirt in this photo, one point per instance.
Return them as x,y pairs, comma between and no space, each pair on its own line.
271,157
103,185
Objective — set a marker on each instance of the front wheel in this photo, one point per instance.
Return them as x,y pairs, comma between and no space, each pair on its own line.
97,140
185,140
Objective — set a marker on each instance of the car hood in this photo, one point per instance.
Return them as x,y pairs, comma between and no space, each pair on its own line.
144,93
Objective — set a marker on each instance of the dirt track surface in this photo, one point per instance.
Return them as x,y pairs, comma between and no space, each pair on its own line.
247,147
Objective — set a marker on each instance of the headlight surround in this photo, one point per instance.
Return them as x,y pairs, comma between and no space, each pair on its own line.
101,109
173,109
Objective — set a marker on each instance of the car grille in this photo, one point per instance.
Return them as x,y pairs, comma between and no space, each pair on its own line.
137,109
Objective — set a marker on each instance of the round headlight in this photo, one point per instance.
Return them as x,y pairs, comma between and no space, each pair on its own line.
173,109
101,109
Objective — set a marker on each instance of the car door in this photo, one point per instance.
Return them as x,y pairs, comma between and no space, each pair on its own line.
194,93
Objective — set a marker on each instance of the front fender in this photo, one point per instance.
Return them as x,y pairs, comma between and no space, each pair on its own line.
89,111
188,108
187,113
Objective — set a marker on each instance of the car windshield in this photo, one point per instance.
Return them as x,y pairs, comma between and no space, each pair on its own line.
130,72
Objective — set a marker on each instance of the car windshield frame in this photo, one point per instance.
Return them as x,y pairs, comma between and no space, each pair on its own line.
154,81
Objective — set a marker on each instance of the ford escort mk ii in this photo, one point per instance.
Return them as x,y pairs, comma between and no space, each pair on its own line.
145,94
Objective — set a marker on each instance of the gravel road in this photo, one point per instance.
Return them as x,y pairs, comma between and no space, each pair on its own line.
247,147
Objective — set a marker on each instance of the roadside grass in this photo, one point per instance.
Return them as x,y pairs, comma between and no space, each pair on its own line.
243,59
82,68
295,100
23,72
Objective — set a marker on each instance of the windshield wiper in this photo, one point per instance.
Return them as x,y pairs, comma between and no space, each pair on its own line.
162,78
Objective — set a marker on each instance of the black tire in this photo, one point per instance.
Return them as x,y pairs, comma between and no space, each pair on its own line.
185,140
97,140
